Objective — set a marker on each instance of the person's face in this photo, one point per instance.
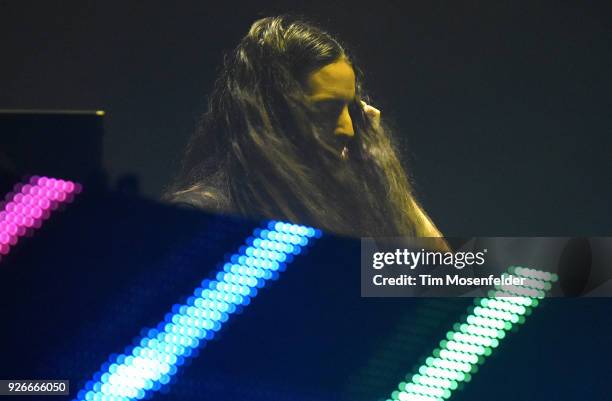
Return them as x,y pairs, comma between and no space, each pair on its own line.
331,89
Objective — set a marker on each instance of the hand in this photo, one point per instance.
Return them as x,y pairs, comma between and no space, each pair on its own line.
372,112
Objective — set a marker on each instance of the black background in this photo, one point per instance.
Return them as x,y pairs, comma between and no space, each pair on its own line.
502,107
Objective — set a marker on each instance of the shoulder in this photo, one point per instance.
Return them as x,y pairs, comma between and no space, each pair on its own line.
197,197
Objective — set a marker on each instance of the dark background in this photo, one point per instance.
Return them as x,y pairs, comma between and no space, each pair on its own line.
502,107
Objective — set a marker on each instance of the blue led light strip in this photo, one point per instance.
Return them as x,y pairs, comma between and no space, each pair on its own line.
472,340
150,364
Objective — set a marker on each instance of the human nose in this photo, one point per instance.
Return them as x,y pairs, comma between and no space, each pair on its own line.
344,126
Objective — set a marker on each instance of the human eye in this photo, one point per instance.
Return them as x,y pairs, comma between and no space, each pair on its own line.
329,108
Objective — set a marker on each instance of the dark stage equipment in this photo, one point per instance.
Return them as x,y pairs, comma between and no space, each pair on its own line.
106,275
51,142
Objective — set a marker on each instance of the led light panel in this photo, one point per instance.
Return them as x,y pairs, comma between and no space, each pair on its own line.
28,205
158,355
474,339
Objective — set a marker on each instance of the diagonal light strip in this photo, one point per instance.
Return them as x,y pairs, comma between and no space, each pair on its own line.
29,204
471,341
150,365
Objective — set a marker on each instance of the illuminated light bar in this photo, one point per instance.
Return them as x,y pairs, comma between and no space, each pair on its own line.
25,208
472,340
155,358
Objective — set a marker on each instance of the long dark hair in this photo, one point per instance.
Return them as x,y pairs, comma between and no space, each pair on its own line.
261,151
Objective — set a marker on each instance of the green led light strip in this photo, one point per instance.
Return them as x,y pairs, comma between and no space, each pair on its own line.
472,340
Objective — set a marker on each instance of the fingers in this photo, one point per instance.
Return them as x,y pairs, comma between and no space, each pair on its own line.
372,112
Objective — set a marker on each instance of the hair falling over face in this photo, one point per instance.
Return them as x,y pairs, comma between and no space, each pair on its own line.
262,148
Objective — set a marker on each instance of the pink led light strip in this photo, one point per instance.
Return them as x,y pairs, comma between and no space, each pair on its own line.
28,205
